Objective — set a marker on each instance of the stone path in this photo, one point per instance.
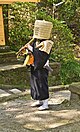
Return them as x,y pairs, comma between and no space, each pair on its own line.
17,115
58,98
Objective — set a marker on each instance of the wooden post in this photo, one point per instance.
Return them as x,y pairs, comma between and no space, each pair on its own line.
5,11
2,36
11,1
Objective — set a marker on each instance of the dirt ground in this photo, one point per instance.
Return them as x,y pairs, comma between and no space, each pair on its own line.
18,116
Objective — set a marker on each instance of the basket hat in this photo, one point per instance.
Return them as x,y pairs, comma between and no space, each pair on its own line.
42,29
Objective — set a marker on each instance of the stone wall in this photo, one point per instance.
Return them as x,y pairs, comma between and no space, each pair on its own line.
21,76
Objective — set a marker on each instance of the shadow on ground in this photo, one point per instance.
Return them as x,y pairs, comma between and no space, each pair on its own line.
18,116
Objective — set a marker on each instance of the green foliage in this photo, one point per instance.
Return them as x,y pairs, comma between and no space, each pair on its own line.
75,26
70,13
22,15
70,72
62,37
67,10
44,10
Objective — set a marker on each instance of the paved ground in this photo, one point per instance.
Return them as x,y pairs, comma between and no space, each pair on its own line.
17,115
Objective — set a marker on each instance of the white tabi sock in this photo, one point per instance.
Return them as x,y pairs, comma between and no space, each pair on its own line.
44,106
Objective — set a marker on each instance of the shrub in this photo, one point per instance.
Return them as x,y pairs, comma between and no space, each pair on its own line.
70,72
20,24
63,39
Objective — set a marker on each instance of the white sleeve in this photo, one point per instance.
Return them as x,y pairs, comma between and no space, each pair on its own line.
47,63
30,48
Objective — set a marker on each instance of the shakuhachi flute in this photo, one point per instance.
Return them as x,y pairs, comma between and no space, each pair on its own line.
29,58
24,47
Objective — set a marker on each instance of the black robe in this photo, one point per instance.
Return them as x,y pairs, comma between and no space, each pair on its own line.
39,75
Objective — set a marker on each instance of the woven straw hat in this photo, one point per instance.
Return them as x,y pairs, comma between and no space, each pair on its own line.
42,29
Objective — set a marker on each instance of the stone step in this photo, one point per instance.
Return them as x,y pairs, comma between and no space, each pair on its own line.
9,67
11,94
8,58
59,97
14,75
15,91
17,74
4,49
75,88
3,93
55,98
